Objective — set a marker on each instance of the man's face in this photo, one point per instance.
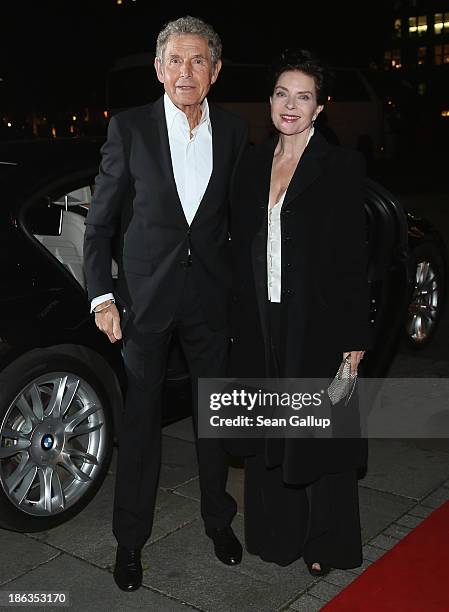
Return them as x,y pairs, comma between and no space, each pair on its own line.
186,69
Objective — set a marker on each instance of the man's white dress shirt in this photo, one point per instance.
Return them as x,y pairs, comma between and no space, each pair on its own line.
191,156
192,161
274,245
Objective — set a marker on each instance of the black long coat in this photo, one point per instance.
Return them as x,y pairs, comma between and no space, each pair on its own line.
325,301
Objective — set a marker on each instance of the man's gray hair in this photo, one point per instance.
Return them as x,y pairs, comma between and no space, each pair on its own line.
190,25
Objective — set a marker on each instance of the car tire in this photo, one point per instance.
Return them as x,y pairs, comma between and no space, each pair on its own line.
428,296
56,409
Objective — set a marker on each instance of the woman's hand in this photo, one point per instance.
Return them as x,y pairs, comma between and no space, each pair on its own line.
355,356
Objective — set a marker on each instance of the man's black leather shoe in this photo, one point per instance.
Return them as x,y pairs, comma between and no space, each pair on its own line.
227,548
128,569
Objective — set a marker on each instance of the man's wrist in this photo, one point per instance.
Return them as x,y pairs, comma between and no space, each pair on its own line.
99,299
103,306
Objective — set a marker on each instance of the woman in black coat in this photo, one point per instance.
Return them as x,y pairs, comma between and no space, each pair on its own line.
300,305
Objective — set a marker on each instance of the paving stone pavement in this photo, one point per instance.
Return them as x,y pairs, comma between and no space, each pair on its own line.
406,481
180,570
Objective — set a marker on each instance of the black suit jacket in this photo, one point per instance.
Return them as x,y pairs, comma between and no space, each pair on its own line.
135,201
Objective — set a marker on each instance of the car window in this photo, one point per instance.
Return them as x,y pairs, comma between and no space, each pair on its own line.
59,226
81,197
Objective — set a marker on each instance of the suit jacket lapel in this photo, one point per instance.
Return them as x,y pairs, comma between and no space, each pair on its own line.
218,145
161,149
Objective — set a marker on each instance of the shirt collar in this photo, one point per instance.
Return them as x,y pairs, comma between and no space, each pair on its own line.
172,112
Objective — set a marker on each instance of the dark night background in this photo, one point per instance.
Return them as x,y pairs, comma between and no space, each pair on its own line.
57,53
55,57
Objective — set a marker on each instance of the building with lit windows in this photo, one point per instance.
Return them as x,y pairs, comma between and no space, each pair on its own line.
418,54
419,35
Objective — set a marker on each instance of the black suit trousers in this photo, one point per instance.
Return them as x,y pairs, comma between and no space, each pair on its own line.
139,453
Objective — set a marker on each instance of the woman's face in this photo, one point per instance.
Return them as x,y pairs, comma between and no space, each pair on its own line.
293,103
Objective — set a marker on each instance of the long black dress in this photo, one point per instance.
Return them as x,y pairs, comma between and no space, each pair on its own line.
301,495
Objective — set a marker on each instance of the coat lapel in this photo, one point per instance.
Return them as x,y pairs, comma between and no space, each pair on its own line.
309,168
307,172
262,177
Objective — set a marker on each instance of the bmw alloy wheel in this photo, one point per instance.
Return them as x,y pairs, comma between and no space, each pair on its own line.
53,440
423,308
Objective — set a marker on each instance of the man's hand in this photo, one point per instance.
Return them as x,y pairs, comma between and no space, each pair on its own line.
356,356
108,320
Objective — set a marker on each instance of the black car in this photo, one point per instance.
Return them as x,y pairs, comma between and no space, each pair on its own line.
61,381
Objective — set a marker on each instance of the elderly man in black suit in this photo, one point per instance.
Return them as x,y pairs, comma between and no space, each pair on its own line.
163,187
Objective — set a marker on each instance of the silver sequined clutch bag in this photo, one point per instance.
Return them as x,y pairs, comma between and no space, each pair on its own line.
343,384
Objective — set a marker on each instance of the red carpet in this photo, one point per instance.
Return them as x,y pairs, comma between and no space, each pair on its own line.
412,577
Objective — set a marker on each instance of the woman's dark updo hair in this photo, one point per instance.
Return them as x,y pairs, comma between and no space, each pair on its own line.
304,61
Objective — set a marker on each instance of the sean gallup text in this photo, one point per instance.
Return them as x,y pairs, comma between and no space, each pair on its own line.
260,421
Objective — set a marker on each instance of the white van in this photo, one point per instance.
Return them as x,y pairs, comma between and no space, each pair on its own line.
353,116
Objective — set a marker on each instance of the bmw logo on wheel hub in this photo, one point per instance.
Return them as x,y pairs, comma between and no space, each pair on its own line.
47,442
